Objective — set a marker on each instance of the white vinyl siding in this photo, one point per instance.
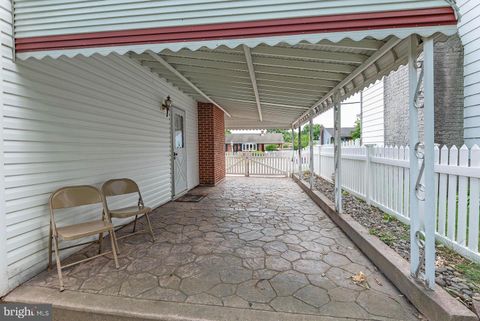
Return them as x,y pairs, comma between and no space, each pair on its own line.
76,121
469,33
40,18
5,45
373,114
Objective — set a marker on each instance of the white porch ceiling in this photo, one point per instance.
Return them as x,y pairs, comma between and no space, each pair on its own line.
274,86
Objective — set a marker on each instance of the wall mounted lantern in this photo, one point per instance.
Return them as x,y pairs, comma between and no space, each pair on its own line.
167,104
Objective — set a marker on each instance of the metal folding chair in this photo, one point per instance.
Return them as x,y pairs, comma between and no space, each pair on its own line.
125,186
74,196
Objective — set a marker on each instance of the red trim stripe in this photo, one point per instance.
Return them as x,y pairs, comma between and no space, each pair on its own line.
263,28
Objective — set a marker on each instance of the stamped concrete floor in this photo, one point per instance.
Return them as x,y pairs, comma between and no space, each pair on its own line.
252,243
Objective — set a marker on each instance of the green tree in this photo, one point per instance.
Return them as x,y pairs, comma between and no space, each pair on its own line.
357,131
271,148
228,131
287,134
316,131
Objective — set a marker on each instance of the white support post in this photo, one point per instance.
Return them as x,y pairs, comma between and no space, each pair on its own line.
368,173
300,152
311,152
338,155
293,151
429,145
414,169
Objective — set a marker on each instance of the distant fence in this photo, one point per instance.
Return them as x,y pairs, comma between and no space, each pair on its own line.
259,163
380,176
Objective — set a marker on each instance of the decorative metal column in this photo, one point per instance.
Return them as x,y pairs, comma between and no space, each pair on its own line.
422,197
337,154
311,152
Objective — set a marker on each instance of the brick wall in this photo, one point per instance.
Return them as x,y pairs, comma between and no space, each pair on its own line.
211,144
448,98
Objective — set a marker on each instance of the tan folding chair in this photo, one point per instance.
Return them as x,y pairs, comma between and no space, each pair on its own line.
124,186
74,196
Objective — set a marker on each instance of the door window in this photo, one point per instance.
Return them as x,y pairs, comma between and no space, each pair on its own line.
178,124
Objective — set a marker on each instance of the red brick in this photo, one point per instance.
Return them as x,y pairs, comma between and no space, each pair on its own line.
211,144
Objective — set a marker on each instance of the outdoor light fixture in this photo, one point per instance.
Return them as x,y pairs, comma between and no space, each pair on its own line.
167,104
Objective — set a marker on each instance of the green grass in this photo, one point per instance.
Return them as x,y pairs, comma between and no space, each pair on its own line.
471,271
386,237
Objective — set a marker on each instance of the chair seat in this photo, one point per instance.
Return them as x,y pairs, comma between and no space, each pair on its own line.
129,211
76,231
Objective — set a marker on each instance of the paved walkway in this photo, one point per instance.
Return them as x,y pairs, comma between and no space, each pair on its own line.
253,243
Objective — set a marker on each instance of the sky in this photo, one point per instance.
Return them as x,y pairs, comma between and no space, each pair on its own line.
349,113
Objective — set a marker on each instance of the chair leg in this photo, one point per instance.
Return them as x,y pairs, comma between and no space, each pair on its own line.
59,266
114,251
150,227
100,243
115,242
135,224
50,236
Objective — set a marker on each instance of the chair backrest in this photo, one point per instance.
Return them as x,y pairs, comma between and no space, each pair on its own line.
72,196
120,186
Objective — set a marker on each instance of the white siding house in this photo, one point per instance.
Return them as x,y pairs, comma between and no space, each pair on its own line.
372,114
79,121
469,31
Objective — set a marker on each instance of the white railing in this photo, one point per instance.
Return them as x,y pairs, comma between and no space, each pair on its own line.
380,176
259,163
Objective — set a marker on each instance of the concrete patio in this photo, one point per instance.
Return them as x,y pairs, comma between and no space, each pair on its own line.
258,246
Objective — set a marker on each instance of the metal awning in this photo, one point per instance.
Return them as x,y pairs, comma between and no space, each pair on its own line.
266,74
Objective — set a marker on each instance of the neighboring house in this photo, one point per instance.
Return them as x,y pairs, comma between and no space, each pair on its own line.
457,97
372,114
385,104
252,142
327,135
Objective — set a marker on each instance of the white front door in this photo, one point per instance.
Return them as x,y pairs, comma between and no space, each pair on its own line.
179,152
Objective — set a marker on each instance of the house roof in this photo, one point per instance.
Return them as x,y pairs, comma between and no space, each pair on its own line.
268,138
345,131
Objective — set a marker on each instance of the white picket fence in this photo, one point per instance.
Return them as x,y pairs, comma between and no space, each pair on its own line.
259,163
380,176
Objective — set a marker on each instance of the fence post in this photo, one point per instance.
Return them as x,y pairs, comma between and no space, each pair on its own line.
320,160
310,138
368,173
247,164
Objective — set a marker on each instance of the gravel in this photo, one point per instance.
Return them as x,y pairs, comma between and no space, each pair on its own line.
397,236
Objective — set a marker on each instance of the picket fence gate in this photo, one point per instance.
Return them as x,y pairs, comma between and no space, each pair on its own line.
259,163
380,176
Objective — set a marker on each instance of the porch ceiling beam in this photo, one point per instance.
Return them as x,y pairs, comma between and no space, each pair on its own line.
253,79
304,65
193,72
185,79
266,98
232,62
212,56
316,55
212,71
177,61
310,74
364,44
264,103
369,62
